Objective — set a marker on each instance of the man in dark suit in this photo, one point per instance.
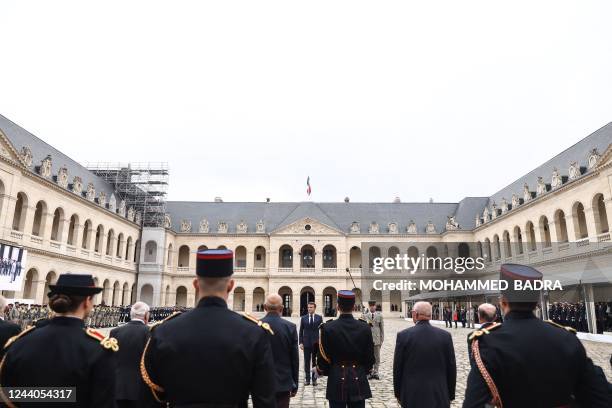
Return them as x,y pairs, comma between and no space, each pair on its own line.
424,369
284,349
487,313
309,340
7,329
132,338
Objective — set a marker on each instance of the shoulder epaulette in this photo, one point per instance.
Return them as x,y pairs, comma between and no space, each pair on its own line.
172,316
568,328
109,343
363,319
258,322
18,336
480,332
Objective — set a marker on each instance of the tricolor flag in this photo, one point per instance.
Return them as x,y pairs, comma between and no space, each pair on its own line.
308,189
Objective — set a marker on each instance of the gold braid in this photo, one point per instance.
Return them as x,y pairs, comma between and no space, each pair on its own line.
145,375
496,398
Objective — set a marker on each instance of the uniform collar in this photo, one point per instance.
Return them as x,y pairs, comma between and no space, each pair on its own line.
512,315
67,321
346,316
212,301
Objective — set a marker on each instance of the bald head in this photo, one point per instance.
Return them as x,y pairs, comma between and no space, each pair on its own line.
486,312
274,304
422,311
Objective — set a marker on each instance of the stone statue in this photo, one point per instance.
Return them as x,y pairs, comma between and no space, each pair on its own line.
556,180
62,177
593,158
541,188
91,192
515,201
374,228
102,199
222,227
45,167
122,208
485,214
477,221
130,214
167,221
451,223
138,218
411,228
185,226
574,171
242,227
392,228
112,203
526,193
430,228
77,185
355,228
504,206
260,227
493,211
204,227
26,155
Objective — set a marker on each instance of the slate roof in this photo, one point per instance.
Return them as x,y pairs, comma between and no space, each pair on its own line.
19,137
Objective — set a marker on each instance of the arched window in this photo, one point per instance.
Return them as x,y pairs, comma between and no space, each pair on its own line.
260,257
507,244
169,256
355,255
487,251
58,224
150,251
240,257
531,236
183,257
110,239
119,245
38,227
86,234
181,296
601,215
136,260
21,208
329,256
544,232
72,229
285,254
99,238
561,226
580,225
463,250
128,248
373,253
497,247
518,239
307,255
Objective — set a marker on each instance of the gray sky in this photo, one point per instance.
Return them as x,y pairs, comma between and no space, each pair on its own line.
372,100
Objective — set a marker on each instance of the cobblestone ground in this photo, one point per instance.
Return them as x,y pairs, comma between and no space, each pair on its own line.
382,391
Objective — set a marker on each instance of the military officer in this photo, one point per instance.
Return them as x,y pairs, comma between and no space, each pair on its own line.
210,356
375,320
509,360
346,356
63,353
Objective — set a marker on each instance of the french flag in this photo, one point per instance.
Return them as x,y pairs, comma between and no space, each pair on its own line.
308,188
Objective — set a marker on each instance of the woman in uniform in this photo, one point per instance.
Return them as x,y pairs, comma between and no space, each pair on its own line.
63,353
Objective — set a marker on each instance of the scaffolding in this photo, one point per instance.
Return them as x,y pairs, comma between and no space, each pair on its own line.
143,186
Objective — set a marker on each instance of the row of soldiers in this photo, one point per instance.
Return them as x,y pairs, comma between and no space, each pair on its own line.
575,316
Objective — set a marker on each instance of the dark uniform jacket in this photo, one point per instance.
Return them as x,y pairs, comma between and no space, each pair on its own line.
534,364
132,338
62,354
211,355
346,356
285,350
424,369
7,330
309,333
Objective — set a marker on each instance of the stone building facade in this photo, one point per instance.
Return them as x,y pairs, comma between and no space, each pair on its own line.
554,218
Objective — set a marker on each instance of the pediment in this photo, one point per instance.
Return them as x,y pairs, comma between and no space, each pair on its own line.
306,226
7,150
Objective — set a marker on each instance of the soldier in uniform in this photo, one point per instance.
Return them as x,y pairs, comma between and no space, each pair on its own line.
210,356
375,319
63,353
527,362
346,356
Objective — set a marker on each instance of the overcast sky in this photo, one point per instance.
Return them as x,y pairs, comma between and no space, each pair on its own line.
372,100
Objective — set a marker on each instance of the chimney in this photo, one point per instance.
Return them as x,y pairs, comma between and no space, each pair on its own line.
397,200
267,199
218,200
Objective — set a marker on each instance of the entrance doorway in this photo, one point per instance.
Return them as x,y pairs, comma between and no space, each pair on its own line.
306,296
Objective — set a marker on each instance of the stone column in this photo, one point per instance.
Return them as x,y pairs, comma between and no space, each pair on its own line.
40,296
295,304
571,229
248,301
77,237
8,208
386,302
591,224
250,260
297,261
318,261
28,218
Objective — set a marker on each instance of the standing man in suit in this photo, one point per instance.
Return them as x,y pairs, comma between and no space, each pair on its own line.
424,369
375,320
7,329
132,338
309,340
284,349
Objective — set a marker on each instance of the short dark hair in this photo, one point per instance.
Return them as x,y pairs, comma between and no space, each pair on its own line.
312,303
522,306
345,308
